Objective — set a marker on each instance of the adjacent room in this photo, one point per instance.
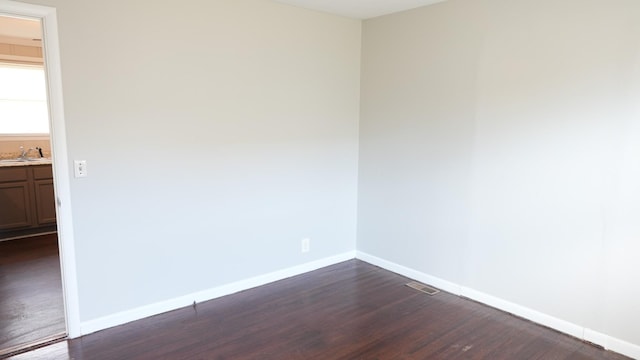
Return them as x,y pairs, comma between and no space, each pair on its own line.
267,154
31,301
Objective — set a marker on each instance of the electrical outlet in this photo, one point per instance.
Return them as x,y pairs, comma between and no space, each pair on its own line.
306,245
80,168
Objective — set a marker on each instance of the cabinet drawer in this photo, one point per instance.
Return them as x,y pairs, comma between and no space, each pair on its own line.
42,172
13,173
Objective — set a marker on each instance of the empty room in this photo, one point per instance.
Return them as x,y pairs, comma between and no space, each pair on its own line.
260,179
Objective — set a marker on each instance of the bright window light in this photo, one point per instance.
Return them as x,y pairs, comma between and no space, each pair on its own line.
23,100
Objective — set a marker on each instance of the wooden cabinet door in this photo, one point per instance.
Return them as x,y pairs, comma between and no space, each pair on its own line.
45,202
15,211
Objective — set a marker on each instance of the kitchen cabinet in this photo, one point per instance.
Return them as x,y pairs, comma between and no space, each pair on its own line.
27,201
44,195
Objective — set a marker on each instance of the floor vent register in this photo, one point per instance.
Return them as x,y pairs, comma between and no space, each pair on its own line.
423,288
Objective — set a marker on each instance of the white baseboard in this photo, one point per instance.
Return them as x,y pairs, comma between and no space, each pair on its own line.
524,312
612,343
410,273
91,326
606,341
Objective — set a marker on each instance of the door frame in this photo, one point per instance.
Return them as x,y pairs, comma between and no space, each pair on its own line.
66,244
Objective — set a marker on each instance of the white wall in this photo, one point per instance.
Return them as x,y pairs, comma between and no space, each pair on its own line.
498,151
217,134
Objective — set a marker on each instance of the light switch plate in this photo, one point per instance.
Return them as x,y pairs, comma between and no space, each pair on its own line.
80,168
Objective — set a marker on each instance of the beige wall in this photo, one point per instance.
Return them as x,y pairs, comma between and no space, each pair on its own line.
217,135
498,149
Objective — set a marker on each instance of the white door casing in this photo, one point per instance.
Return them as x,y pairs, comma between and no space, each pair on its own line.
51,51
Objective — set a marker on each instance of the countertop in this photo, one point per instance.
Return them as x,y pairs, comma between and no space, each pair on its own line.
31,162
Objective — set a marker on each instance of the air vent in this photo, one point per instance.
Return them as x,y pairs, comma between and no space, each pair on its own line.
423,288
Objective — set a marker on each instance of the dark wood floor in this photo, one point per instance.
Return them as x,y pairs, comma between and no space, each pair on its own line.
348,311
31,305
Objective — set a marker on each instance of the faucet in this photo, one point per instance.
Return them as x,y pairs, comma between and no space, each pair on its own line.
24,153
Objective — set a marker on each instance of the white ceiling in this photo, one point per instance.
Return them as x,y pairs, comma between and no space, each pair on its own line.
360,9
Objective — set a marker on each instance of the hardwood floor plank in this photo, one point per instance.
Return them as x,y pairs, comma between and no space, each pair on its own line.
31,304
348,311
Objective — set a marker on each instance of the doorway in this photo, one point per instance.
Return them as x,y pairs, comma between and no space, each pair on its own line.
64,241
31,300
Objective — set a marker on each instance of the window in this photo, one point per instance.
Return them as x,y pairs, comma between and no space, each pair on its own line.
23,100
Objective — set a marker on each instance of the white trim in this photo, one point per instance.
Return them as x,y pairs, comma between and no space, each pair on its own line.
51,49
124,317
525,312
410,273
612,343
595,337
582,333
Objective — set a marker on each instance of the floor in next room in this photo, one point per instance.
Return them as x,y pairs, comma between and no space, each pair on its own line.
348,311
31,305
